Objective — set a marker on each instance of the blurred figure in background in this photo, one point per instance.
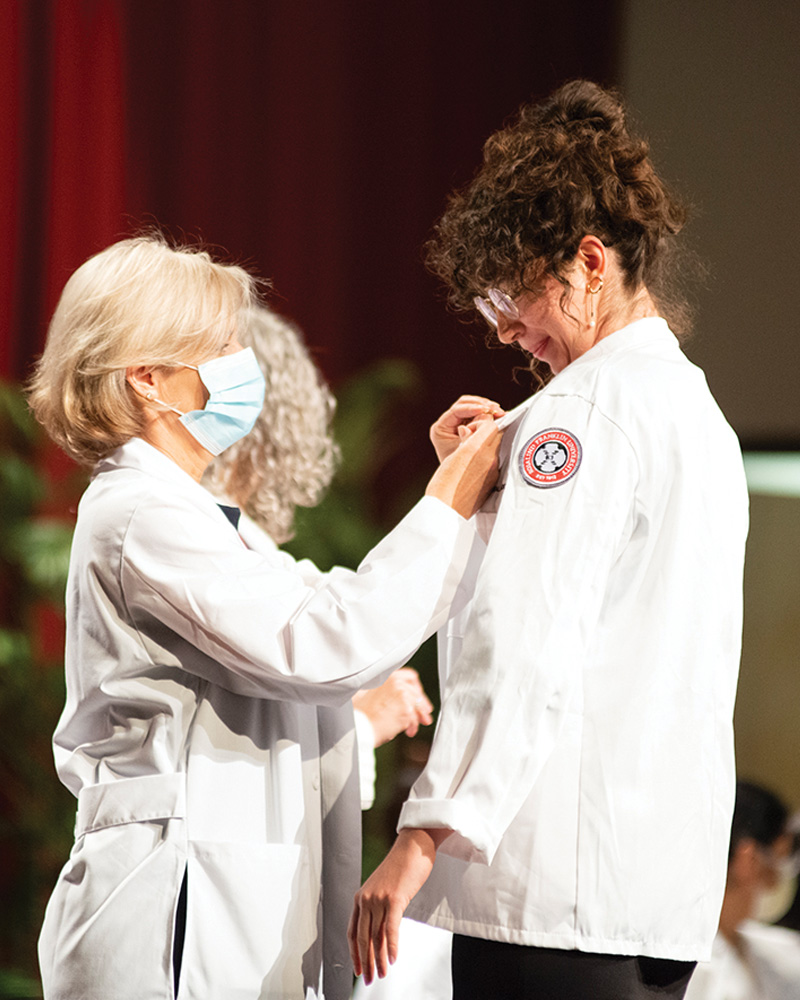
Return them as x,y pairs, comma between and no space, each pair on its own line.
752,960
287,461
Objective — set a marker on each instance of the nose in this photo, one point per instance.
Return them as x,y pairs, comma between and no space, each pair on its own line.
507,329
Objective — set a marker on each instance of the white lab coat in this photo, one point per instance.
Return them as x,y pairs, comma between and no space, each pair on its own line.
421,970
766,968
193,739
584,751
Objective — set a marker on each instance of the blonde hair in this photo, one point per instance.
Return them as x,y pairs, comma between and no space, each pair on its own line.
289,457
138,302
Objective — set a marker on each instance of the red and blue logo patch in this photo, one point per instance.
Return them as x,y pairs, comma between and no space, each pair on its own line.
550,458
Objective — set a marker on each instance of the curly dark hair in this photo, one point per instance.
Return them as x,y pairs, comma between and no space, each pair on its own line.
563,168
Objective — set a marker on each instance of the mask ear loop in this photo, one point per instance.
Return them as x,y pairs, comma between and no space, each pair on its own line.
152,398
592,290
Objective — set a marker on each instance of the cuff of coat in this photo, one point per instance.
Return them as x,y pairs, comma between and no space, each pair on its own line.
471,839
365,741
433,508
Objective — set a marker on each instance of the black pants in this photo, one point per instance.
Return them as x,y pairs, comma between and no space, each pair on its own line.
493,970
180,933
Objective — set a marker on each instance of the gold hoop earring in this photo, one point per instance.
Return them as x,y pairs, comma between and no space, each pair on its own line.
592,289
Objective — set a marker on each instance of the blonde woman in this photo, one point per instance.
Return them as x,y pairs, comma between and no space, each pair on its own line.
188,651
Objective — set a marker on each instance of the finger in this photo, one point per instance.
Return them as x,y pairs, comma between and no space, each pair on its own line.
352,943
369,970
407,673
466,407
476,421
407,682
480,401
448,422
420,703
422,719
392,933
381,957
474,424
425,713
364,945
481,432
481,416
380,946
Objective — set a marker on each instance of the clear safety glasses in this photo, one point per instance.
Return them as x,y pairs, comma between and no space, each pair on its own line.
496,302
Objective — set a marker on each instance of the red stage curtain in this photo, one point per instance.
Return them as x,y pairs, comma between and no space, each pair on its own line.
63,176
316,142
86,175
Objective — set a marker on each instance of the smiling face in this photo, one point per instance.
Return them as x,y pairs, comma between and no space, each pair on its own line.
552,333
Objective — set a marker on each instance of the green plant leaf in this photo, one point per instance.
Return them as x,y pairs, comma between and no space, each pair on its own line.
41,547
17,985
15,417
21,486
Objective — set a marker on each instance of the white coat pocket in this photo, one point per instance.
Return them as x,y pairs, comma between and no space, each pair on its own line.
108,926
252,916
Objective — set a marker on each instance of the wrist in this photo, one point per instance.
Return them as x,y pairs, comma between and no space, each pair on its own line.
421,840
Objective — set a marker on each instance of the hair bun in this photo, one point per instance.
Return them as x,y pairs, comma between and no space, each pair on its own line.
584,101
564,167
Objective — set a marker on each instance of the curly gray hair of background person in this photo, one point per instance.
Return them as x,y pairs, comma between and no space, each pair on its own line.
289,458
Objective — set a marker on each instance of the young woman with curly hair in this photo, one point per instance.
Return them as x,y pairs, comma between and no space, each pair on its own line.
571,825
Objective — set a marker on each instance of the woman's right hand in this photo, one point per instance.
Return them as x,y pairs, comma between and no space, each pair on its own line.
398,705
465,410
466,476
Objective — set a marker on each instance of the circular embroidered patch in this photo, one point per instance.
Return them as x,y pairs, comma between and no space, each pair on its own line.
550,458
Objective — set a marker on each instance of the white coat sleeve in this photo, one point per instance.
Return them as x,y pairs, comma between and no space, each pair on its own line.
263,629
534,618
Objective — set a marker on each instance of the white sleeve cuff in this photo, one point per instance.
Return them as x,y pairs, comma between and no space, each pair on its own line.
365,740
472,840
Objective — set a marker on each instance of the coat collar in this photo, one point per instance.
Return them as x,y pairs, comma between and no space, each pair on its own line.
138,454
641,333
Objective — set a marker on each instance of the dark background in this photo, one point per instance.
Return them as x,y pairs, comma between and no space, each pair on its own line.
316,142
313,142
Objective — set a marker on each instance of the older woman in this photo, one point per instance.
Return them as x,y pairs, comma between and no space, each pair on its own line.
578,797
191,656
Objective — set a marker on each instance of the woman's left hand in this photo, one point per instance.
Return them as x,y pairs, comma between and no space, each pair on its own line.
464,412
381,901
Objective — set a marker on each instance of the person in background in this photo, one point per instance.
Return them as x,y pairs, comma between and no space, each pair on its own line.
287,461
399,705
751,959
563,828
195,660
788,899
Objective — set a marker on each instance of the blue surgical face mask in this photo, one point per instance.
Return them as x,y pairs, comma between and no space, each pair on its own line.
235,397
